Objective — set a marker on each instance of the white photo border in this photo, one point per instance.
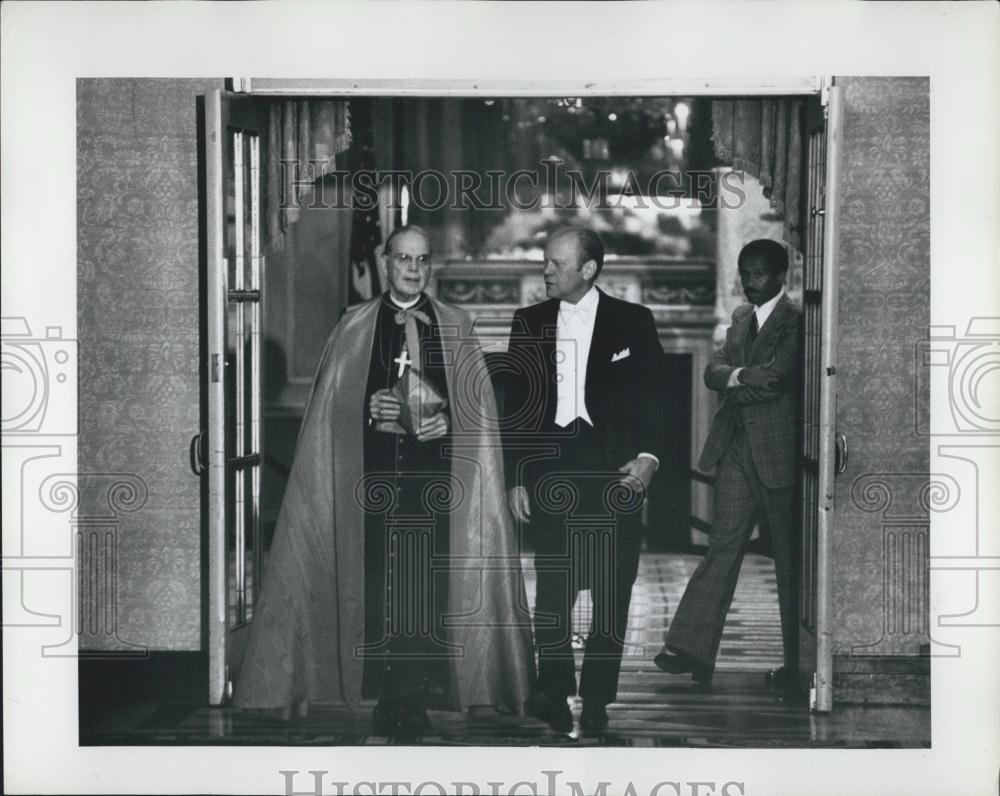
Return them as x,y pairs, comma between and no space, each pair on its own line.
47,46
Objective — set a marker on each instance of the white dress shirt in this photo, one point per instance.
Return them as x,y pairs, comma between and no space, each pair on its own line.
763,312
574,334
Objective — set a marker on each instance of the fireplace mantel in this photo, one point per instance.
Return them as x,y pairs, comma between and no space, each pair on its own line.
680,292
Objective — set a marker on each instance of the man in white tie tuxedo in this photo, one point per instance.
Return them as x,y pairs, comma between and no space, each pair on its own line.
582,433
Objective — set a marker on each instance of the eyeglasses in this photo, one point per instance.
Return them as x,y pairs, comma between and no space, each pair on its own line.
422,260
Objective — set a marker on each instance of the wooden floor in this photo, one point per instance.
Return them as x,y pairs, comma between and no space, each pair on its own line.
653,708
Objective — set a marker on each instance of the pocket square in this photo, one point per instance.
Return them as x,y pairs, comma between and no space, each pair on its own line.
621,355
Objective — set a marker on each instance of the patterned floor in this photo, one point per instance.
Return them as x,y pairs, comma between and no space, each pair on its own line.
752,638
653,708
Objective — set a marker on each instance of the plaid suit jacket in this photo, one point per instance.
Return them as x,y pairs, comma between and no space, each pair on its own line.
769,416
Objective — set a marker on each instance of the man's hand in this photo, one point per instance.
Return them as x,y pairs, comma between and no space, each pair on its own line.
760,377
638,473
383,405
517,500
433,427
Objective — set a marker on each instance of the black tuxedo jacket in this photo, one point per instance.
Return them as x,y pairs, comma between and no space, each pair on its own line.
624,371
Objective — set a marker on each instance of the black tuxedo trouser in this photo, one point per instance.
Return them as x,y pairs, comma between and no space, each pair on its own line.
740,499
587,535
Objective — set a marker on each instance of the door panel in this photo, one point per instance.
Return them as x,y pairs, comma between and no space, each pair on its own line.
819,307
234,279
812,298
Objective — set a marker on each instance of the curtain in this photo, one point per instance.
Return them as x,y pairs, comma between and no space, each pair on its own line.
765,138
366,222
305,136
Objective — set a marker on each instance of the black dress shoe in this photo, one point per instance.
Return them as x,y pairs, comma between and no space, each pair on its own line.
385,716
675,663
554,712
594,718
782,679
413,722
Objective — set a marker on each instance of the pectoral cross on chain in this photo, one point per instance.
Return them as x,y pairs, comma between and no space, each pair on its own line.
404,361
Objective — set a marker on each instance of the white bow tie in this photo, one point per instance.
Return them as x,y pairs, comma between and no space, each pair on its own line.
570,310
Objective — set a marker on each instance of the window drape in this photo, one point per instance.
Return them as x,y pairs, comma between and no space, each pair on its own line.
765,137
304,138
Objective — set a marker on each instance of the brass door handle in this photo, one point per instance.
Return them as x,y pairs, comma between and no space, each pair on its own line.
840,455
195,452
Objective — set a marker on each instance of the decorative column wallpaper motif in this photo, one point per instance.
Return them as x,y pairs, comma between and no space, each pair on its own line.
137,299
902,502
96,505
884,313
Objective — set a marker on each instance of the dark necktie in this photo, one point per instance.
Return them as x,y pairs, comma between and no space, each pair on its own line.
753,328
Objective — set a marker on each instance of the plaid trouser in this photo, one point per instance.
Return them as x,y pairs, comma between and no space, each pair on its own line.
740,499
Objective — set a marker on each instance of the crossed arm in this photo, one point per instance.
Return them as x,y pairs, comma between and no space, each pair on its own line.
756,383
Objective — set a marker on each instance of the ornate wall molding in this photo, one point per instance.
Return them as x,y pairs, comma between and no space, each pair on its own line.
671,294
486,290
680,292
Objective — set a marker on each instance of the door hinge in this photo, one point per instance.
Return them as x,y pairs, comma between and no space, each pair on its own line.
238,85
824,90
216,377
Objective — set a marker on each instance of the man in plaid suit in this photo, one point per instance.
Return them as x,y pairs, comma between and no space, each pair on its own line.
752,445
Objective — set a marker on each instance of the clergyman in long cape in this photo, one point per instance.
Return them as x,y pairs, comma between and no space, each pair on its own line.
308,625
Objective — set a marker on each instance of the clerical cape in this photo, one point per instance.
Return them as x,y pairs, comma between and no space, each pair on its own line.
309,623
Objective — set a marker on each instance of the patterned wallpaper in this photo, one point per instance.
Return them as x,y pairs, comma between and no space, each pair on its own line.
881,508
137,283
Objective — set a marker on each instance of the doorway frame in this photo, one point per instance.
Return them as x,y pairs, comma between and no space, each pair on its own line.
830,95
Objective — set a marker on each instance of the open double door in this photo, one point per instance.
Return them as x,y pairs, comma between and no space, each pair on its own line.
234,139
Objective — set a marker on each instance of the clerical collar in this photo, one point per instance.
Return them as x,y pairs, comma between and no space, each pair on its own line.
403,305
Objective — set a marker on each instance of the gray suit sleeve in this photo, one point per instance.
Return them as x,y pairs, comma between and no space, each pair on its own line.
786,364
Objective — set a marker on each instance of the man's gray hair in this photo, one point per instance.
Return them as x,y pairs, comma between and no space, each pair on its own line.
387,249
588,245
